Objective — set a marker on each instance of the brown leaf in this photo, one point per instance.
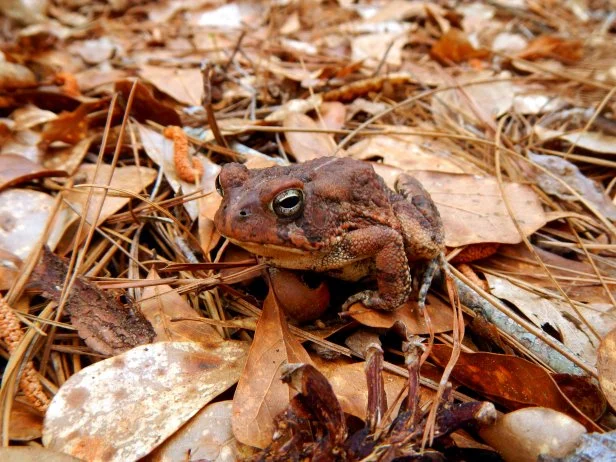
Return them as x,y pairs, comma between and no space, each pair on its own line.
606,366
14,75
69,127
26,423
453,46
106,325
160,304
145,106
408,314
34,454
473,211
31,116
567,51
583,392
306,145
184,85
16,169
123,407
260,394
509,380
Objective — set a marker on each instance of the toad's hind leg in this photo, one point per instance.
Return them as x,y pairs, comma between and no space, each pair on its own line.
422,228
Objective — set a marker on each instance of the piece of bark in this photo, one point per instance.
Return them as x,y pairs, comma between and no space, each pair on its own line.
102,321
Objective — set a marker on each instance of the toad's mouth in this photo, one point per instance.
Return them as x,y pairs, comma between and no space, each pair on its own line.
270,250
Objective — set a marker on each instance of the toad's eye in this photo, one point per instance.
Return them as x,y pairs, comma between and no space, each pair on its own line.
289,203
219,186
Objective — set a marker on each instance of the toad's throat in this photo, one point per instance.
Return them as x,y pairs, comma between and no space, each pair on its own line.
270,250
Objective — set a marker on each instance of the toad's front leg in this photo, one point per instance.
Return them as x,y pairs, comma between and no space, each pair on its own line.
392,270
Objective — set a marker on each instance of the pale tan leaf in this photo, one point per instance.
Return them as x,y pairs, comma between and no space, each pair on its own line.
473,210
593,141
184,85
24,214
34,454
606,366
161,304
124,407
160,150
306,145
30,116
207,436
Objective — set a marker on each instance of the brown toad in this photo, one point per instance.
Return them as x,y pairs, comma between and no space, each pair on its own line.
333,215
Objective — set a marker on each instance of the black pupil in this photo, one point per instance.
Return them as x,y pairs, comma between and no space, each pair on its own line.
289,202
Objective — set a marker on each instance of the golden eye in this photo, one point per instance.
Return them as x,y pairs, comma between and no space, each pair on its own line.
289,203
219,186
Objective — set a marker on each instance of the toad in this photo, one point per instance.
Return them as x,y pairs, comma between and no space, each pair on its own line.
334,215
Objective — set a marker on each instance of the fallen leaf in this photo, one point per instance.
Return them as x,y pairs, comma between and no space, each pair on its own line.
130,178
94,51
306,145
30,116
160,304
473,211
509,380
123,407
454,47
24,215
348,379
407,152
26,423
546,313
183,85
593,141
408,314
68,127
23,143
333,114
372,49
14,75
34,454
564,50
606,366
160,150
145,106
15,170
527,434
260,395
207,436
584,392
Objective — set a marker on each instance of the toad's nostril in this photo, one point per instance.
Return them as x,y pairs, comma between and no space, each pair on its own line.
244,213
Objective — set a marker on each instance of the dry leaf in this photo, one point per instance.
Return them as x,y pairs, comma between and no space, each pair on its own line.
408,314
567,51
30,116
306,145
24,215
26,423
14,75
207,436
145,106
160,304
34,454
593,141
473,210
131,178
260,393
183,85
544,312
373,48
16,169
606,366
160,150
454,47
526,434
407,152
122,408
572,176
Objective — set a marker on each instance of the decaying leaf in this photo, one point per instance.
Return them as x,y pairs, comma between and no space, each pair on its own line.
306,145
593,141
17,169
184,85
553,47
163,386
454,47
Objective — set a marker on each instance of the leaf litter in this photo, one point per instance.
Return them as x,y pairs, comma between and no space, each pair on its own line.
505,111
